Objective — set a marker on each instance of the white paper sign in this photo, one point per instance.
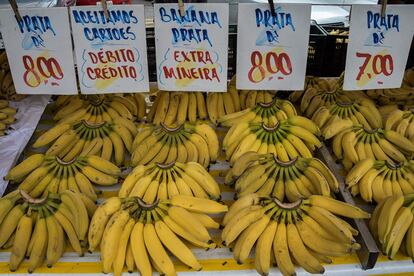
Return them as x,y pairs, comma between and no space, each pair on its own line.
378,47
39,50
272,50
191,51
111,54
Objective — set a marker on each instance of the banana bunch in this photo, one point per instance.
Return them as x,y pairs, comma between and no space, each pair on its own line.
132,232
313,99
7,114
402,96
376,180
184,143
266,175
163,181
174,108
287,139
41,174
355,143
386,111
304,232
250,98
99,108
84,138
401,122
219,105
269,113
7,89
40,228
359,112
392,225
316,83
240,99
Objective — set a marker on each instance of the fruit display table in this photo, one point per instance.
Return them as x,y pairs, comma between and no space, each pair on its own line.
12,145
218,261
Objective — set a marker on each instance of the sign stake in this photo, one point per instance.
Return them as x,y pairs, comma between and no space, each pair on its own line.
15,10
272,8
383,7
105,8
181,8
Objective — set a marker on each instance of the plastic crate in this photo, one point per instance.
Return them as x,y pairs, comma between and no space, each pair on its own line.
316,51
335,51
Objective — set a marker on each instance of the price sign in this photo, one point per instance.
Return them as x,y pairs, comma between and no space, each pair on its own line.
272,49
111,53
39,50
378,46
191,50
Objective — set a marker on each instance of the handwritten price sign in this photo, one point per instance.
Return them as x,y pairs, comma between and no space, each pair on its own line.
39,50
191,50
272,50
378,46
111,53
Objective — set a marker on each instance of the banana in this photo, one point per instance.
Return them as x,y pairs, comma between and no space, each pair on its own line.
212,107
198,204
118,146
211,138
103,165
300,253
358,171
201,106
51,135
98,176
401,223
281,250
175,245
38,251
111,239
171,115
55,241
120,258
156,251
202,177
184,219
399,140
252,233
139,250
21,241
69,230
321,245
337,207
182,111
25,167
99,220
388,212
11,222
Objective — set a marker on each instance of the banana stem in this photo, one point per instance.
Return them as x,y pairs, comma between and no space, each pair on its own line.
170,129
165,166
32,200
287,205
285,164
93,125
61,162
147,206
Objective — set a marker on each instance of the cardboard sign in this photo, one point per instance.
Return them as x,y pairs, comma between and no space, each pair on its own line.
272,50
378,46
39,50
111,54
191,51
